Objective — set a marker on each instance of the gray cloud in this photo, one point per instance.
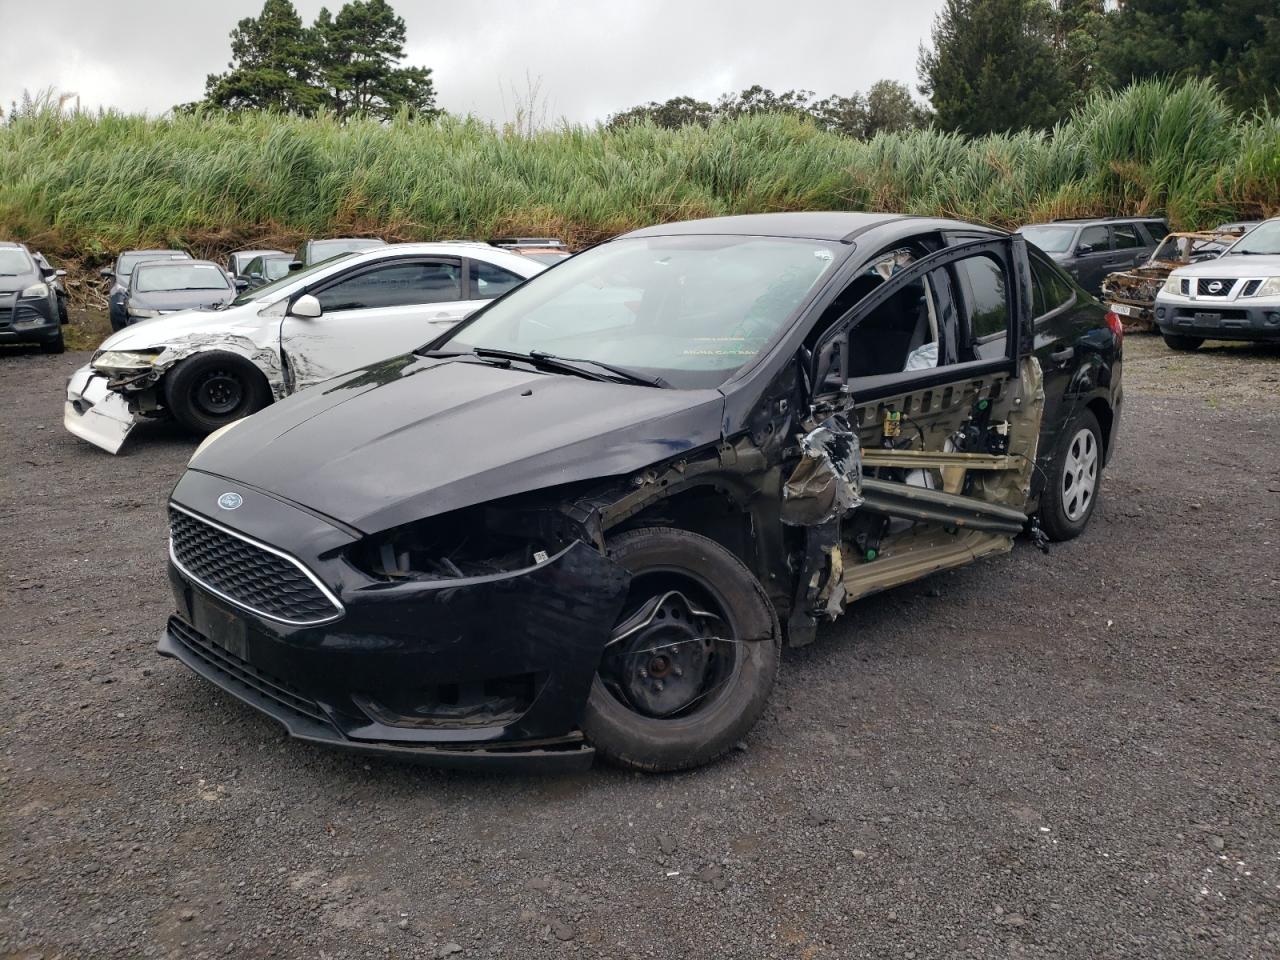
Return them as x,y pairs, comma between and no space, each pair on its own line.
586,58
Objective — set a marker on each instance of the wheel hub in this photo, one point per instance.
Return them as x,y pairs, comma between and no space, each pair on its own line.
219,392
659,656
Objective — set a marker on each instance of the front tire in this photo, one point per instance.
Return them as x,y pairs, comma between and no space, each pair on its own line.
56,345
1176,341
210,390
1072,493
692,659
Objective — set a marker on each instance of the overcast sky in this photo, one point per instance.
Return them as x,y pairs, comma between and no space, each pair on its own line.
590,57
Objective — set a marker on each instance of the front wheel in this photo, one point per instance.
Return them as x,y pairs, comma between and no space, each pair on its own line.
1072,492
1179,342
691,660
211,390
56,345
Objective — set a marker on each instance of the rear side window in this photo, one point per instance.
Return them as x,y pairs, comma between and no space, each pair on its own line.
489,282
982,285
1050,289
395,285
1095,237
1126,235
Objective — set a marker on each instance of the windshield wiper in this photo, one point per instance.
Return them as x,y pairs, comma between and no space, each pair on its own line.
622,373
540,358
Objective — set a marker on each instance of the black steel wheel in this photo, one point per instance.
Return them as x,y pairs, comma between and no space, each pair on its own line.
210,390
691,660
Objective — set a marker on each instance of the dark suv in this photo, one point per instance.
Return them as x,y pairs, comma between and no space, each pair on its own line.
1091,249
31,304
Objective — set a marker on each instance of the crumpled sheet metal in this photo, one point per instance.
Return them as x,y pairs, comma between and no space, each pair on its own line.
827,482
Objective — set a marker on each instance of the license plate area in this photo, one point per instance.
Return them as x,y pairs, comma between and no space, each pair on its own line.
1123,309
1204,315
224,630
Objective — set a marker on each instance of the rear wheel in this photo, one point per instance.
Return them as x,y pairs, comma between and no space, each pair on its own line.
210,390
692,659
1178,342
1072,493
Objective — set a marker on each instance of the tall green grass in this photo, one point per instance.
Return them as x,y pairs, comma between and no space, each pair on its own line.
88,184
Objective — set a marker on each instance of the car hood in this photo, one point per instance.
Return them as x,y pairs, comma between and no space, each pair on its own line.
159,332
20,282
411,437
180,299
1233,266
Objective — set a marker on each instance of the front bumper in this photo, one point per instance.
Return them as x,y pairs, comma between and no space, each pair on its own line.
96,414
372,680
1218,320
27,321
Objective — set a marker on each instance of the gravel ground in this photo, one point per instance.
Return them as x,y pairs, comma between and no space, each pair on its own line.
1063,755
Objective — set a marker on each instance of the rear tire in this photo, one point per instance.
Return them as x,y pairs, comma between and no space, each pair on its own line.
1179,342
730,656
1072,493
211,390
56,345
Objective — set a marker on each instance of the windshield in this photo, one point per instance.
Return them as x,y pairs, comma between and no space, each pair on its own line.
276,267
322,249
124,267
1264,238
688,309
179,276
286,281
1050,239
13,261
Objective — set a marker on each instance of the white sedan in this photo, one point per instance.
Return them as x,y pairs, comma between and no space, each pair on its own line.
209,368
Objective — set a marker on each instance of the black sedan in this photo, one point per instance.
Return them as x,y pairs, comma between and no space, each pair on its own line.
587,519
160,287
31,305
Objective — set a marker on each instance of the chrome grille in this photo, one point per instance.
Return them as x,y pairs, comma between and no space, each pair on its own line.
249,574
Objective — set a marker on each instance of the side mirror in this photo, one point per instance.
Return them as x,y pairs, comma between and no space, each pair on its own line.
295,265
1083,249
106,272
306,307
255,276
241,283
59,273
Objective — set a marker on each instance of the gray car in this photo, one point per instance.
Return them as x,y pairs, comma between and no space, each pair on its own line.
158,287
30,308
1089,250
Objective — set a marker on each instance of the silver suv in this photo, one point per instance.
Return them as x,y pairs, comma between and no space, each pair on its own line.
1233,297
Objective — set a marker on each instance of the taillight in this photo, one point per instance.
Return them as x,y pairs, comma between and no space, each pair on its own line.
1116,325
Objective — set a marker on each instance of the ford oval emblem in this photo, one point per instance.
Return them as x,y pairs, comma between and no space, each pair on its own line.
1215,286
229,501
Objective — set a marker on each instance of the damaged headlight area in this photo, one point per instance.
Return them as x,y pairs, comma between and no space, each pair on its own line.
124,362
476,541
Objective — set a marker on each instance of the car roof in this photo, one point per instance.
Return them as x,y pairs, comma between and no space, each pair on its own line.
148,264
152,250
13,243
1099,220
839,225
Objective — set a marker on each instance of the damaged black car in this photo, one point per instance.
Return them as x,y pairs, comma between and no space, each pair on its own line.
586,520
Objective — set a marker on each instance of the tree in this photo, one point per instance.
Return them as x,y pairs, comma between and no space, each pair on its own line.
671,115
994,66
272,65
1078,29
359,55
1234,42
758,99
891,109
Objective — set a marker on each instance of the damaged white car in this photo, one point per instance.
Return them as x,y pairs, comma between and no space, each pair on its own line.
208,368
